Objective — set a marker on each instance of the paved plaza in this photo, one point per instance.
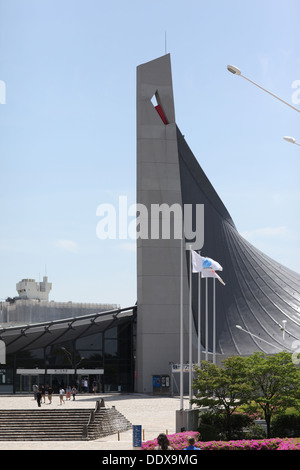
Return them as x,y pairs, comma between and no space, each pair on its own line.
155,413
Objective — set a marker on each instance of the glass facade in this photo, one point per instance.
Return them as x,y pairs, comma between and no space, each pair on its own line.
103,360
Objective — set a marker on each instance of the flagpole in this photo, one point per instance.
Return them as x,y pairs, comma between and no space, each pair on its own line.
181,323
214,320
199,319
190,330
206,319
206,267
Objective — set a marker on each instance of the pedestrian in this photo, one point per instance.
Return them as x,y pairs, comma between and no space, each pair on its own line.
163,443
50,392
68,392
61,395
34,389
38,397
43,392
74,391
191,444
95,386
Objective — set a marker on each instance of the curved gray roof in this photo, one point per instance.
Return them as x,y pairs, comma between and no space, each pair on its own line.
259,293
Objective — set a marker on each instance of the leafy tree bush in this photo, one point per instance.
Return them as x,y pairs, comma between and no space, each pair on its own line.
213,426
269,383
222,389
286,425
275,383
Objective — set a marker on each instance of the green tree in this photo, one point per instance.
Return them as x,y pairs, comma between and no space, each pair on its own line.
275,383
222,389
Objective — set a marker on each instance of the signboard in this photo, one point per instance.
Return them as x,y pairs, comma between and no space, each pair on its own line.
186,368
60,371
137,435
165,381
156,381
90,371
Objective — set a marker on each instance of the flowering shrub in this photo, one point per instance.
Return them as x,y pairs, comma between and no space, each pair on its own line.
289,444
178,442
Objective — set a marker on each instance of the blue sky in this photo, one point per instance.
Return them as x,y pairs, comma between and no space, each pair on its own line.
68,128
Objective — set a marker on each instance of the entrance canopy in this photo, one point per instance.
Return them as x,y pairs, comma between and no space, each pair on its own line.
41,335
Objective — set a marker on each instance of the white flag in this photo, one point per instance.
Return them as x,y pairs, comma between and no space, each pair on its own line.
207,272
199,263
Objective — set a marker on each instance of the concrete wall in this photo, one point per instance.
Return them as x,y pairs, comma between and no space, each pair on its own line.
158,260
34,311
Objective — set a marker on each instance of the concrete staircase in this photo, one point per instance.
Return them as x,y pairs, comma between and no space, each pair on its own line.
60,425
107,421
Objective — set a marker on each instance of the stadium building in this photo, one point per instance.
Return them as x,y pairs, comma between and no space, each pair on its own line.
139,348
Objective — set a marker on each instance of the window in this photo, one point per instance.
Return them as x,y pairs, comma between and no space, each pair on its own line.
157,105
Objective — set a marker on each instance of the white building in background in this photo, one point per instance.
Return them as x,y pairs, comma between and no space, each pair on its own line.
33,306
32,290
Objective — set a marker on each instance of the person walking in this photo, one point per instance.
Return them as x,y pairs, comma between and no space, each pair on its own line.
68,392
38,397
50,392
61,395
34,389
43,392
74,391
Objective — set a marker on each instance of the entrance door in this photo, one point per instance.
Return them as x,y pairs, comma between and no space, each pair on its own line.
89,383
86,381
26,382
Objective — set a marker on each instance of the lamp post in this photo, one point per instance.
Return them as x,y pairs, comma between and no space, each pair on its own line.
181,323
255,336
236,71
292,140
190,330
282,327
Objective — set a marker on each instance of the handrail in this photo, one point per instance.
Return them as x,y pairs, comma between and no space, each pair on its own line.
91,419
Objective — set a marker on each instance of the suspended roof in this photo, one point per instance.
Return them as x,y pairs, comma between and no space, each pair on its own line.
40,335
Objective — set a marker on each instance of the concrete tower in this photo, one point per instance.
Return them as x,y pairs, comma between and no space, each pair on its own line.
158,260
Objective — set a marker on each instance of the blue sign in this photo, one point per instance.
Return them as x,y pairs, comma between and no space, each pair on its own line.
156,381
137,435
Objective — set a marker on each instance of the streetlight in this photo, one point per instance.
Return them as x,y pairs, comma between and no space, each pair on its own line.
255,336
236,71
282,327
292,140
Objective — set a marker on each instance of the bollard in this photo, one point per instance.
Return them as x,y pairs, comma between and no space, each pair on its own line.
118,435
143,434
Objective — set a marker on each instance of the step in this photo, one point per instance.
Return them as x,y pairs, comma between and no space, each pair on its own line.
60,424
43,424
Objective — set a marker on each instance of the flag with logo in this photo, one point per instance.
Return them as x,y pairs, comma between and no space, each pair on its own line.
206,266
199,263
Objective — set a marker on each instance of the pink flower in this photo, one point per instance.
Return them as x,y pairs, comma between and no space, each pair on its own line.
178,442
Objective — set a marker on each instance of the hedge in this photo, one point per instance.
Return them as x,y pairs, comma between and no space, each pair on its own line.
178,442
